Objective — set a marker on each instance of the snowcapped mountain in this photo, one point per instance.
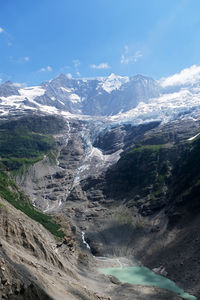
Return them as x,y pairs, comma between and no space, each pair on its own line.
138,99
183,104
8,89
96,97
112,83
99,96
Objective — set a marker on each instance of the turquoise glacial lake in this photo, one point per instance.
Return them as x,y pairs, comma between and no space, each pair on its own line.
144,276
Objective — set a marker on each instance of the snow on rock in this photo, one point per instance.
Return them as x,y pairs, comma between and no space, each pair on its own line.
112,82
48,109
74,98
182,102
32,92
164,108
67,90
29,93
61,102
194,137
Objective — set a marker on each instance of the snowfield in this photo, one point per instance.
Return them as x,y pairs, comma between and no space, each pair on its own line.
173,102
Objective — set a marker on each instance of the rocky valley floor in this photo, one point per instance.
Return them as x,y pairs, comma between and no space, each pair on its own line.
35,266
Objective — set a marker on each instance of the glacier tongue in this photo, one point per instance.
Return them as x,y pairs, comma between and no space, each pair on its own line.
167,107
94,161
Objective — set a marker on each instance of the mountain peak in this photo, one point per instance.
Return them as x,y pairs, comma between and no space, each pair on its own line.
61,76
8,88
112,76
8,82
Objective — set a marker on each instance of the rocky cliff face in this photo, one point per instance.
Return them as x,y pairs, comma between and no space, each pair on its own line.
152,197
96,97
101,96
8,89
33,265
137,100
127,187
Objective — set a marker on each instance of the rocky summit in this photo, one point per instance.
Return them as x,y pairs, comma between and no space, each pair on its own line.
98,173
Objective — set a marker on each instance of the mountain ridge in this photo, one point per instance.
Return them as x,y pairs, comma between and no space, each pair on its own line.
98,97
113,178
138,99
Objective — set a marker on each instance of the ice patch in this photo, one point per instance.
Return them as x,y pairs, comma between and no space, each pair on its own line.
194,137
61,102
67,90
74,98
112,82
29,93
32,92
164,108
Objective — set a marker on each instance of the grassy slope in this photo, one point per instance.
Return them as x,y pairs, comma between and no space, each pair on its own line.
20,147
184,184
140,168
157,175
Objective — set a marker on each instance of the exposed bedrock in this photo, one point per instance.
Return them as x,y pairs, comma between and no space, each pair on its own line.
123,187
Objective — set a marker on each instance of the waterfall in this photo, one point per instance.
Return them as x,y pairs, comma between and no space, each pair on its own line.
84,241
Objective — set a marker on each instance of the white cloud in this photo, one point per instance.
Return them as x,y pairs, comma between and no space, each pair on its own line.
26,58
69,75
4,77
126,48
1,30
128,57
100,66
124,60
19,85
137,56
47,69
186,76
1,80
20,60
76,63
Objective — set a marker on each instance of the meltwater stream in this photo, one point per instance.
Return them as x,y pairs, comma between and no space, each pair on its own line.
144,276
84,241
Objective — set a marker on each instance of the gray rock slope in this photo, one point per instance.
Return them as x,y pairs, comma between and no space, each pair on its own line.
100,96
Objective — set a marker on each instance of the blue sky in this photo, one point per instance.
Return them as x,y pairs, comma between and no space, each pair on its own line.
42,38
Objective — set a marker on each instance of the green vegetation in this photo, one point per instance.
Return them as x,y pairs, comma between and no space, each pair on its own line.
22,147
123,215
40,124
143,166
24,142
141,177
157,173
147,147
52,155
184,185
10,192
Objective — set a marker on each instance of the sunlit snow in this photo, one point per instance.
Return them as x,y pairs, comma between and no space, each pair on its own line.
112,82
194,137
